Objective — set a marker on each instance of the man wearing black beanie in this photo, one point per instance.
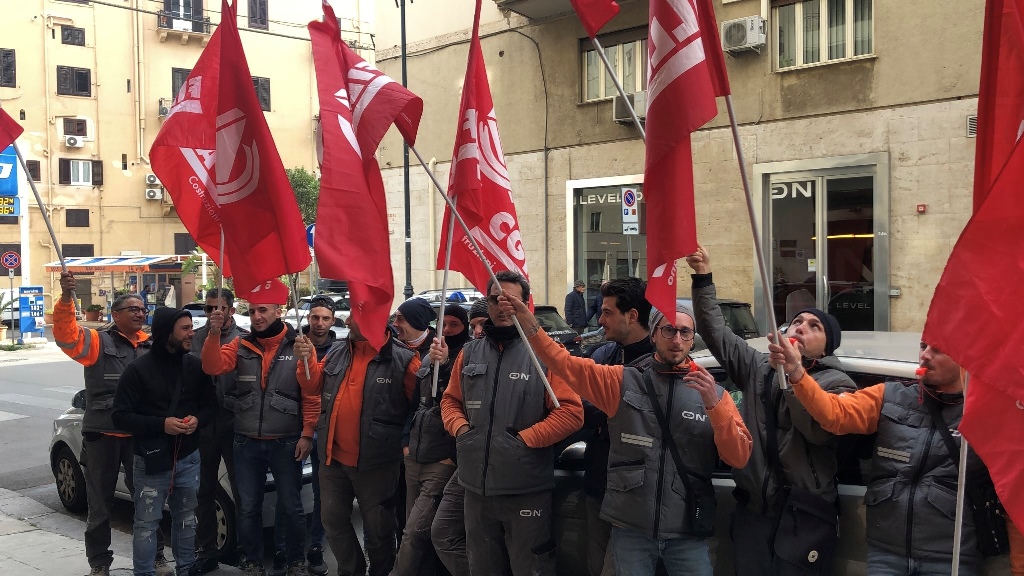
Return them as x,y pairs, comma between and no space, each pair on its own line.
793,457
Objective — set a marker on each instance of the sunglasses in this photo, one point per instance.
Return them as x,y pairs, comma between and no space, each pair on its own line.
133,310
210,309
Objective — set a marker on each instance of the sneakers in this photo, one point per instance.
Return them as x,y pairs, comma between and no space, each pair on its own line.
297,568
316,565
280,567
99,571
206,564
253,569
161,567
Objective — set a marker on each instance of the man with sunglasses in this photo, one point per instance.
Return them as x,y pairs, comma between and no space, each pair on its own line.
274,422
803,450
216,439
668,425
105,449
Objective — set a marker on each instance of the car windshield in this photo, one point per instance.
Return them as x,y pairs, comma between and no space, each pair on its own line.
740,321
550,321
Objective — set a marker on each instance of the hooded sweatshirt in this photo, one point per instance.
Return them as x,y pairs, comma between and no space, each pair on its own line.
146,389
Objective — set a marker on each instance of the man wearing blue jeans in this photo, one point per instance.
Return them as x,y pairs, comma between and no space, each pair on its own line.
274,423
161,400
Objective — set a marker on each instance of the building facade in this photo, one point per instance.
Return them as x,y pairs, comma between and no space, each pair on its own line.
91,83
856,119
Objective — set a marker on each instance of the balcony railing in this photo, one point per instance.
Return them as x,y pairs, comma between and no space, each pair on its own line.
172,24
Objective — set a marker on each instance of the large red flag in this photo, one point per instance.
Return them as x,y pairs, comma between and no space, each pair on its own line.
594,14
9,130
357,106
680,99
479,183
975,311
217,159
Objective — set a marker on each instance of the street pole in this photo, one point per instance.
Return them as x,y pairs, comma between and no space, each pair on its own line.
405,169
10,274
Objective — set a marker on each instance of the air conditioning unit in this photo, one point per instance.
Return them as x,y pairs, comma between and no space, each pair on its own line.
743,34
154,194
73,141
620,112
164,107
152,180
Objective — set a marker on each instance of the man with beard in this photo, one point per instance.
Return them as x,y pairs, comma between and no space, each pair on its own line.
274,423
911,491
430,457
161,399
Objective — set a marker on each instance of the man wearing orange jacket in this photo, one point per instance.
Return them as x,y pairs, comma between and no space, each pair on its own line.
911,492
104,354
365,394
668,425
274,422
505,425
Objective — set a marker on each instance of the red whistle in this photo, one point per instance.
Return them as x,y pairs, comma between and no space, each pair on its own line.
920,371
187,419
694,366
793,341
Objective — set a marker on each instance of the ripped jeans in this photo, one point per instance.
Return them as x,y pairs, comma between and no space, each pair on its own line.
152,491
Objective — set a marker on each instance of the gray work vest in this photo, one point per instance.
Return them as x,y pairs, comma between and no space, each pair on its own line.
645,491
911,492
116,353
274,410
502,393
225,383
385,405
429,442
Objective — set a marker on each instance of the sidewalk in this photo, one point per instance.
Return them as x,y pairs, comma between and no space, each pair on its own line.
37,541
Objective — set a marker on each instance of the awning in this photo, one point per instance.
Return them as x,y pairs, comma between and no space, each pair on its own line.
113,263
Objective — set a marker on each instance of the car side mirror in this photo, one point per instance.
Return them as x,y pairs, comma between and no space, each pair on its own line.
79,400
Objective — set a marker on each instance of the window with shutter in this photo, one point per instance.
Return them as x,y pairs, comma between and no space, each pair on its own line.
64,171
258,14
74,81
73,36
77,250
79,172
183,243
97,173
262,86
75,127
77,217
8,69
33,170
178,77
813,32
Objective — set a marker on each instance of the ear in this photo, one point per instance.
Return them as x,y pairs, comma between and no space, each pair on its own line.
632,315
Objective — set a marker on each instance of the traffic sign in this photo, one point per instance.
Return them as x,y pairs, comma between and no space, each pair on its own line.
310,232
630,212
10,260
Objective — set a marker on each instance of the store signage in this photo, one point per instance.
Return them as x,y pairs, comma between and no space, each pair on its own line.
606,197
799,189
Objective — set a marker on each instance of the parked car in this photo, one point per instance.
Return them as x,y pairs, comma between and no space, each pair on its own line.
198,312
65,451
470,295
869,358
556,327
341,309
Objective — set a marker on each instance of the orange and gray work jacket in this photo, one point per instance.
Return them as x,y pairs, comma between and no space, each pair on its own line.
105,354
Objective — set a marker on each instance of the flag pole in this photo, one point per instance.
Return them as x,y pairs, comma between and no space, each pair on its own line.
46,219
961,483
298,319
220,269
480,254
618,86
758,248
444,297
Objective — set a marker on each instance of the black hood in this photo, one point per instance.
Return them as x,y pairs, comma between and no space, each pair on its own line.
164,320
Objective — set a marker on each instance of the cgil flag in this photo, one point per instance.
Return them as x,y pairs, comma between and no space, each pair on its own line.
973,315
479,183
358,104
680,99
594,14
216,157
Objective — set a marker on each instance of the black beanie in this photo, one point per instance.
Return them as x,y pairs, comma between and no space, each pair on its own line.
833,333
479,309
458,312
417,312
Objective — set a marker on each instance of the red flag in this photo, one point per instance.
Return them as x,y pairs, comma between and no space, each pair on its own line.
479,183
217,159
713,48
974,313
357,106
594,14
9,130
680,99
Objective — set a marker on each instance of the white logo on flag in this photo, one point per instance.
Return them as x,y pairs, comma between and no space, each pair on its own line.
485,147
230,126
674,51
660,271
187,98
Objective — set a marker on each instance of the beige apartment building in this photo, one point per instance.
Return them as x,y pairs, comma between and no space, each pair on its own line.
856,119
91,83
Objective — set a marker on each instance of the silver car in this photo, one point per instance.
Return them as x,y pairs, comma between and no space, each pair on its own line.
66,448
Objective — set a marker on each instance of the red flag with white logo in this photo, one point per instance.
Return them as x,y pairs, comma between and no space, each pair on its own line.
357,106
974,315
594,14
479,183
680,99
9,130
217,159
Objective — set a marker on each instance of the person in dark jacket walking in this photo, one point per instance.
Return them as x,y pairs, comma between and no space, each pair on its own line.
576,307
807,452
595,307
911,490
162,398
217,438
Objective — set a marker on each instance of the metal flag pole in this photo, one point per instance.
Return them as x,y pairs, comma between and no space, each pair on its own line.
480,253
298,320
762,267
46,219
444,297
618,86
961,483
220,269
